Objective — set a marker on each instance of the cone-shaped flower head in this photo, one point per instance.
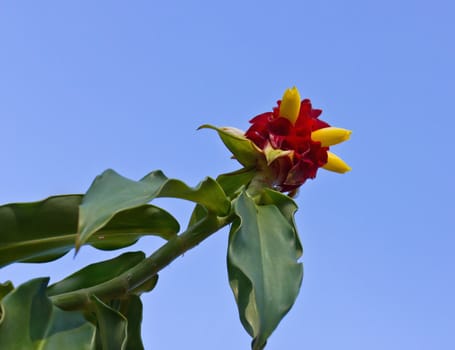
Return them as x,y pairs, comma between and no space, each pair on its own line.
296,142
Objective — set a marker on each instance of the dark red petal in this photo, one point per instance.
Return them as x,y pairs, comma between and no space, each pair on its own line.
281,167
300,172
322,156
280,126
305,108
315,113
262,118
297,143
317,154
319,124
258,128
276,110
277,141
258,134
257,138
303,127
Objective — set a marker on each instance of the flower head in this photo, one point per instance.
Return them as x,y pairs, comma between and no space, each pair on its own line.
296,142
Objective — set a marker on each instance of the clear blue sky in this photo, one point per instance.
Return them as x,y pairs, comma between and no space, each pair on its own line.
90,85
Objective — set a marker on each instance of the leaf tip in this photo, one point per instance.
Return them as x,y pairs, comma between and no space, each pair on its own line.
77,247
205,126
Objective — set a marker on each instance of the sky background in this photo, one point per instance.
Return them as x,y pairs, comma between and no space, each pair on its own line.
91,85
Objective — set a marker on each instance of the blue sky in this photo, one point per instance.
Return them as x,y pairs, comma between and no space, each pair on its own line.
90,85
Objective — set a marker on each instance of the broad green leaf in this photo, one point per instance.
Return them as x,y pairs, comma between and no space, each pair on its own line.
128,226
243,149
131,308
233,183
39,231
127,309
31,321
46,230
111,193
111,329
288,207
96,273
126,312
262,264
207,193
199,213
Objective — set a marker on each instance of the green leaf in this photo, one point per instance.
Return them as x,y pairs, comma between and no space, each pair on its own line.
30,321
262,264
199,213
126,227
118,315
288,207
131,308
122,317
243,149
207,193
271,154
111,330
5,288
46,230
38,230
233,183
147,286
96,273
111,193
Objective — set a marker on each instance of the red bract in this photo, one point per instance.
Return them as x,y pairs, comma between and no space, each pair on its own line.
307,156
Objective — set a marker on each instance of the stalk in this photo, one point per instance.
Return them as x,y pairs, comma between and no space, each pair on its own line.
130,280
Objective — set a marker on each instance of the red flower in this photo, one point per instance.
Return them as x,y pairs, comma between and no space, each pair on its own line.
289,128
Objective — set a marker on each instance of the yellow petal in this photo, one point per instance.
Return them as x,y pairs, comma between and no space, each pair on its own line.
330,136
290,105
336,164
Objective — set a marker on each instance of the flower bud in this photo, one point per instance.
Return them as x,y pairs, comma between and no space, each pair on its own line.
290,105
336,164
330,136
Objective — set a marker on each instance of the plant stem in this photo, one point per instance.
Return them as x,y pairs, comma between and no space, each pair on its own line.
123,284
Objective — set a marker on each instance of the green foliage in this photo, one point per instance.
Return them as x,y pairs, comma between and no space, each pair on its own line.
46,230
233,183
118,323
263,252
111,329
288,208
243,149
5,288
30,321
122,317
262,263
96,274
131,309
112,193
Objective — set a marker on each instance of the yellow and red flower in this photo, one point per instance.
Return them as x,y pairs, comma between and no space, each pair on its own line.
285,147
296,142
